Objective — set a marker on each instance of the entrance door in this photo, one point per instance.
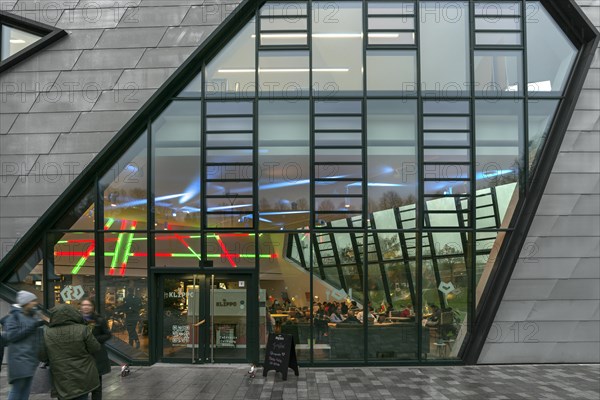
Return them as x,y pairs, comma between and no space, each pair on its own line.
203,318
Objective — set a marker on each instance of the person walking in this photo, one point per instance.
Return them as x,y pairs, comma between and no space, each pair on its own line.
22,332
69,346
100,330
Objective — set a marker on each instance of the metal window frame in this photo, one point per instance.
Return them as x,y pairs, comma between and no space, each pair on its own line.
568,16
48,35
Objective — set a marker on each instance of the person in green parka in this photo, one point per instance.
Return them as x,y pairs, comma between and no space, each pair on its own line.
69,346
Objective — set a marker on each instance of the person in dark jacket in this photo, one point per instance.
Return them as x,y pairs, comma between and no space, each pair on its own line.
69,346
102,334
22,332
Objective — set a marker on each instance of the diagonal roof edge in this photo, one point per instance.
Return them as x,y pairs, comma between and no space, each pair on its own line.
49,34
123,137
566,12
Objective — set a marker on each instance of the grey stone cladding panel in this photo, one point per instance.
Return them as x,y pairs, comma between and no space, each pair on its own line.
91,18
6,122
153,16
24,206
27,144
566,225
77,39
81,142
44,123
212,14
165,57
109,59
131,37
35,81
57,101
102,121
88,80
123,99
563,352
569,204
555,287
144,78
185,36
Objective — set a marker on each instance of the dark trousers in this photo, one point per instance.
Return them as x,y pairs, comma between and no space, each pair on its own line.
20,389
97,393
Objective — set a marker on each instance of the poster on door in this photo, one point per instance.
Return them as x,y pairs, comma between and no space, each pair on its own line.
230,302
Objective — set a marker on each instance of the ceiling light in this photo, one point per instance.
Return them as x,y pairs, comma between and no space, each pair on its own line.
17,41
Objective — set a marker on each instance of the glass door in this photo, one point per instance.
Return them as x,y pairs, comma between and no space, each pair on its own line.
204,318
182,317
228,327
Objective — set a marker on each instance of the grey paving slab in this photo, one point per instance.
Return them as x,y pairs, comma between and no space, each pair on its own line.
226,382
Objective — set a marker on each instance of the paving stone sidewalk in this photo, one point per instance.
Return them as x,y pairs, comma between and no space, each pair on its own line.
229,382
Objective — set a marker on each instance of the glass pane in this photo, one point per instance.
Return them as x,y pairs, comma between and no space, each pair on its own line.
444,38
15,40
385,8
284,164
548,67
337,48
391,140
72,269
231,73
393,333
391,73
493,23
126,254
284,294
124,188
232,250
393,38
283,73
176,142
445,296
541,115
498,72
501,38
291,11
493,10
181,303
175,249
194,88
391,23
499,130
125,301
81,215
230,333
30,275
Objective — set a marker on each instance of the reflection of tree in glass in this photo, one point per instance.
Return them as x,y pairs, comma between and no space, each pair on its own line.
326,205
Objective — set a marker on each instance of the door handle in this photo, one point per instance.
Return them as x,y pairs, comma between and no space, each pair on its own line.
200,323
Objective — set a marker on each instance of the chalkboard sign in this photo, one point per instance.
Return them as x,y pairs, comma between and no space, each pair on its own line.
280,355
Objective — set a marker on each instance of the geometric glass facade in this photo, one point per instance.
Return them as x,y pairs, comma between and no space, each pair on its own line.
362,154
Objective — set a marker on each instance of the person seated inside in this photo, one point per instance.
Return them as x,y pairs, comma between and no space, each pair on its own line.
407,311
351,318
370,316
434,318
336,316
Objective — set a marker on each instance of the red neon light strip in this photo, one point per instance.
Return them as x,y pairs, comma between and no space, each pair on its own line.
226,253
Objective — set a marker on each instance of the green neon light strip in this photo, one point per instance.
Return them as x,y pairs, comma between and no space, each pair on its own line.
83,259
127,249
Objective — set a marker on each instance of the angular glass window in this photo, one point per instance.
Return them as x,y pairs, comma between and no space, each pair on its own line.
231,73
13,40
541,115
548,67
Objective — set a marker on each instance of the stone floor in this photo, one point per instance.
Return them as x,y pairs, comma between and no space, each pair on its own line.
170,381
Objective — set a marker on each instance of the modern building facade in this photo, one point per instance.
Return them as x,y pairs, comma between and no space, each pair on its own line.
191,165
